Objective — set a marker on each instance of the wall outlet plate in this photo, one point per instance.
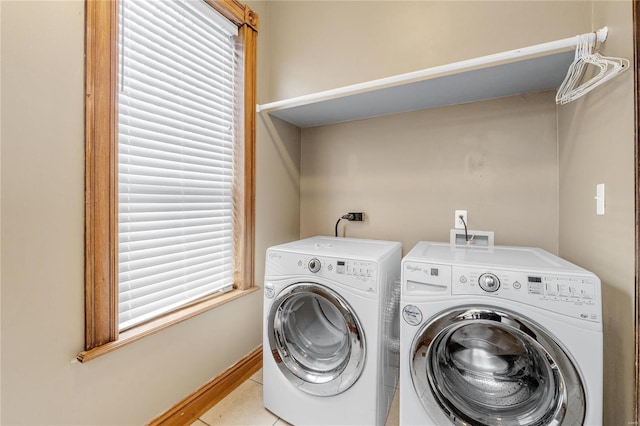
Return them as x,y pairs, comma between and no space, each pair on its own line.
458,224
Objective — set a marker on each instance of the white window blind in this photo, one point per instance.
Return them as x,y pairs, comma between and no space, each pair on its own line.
176,153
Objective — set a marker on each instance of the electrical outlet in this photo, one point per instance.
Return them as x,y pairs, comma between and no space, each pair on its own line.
356,217
459,224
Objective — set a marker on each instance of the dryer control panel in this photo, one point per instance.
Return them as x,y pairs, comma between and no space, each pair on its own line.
577,296
357,274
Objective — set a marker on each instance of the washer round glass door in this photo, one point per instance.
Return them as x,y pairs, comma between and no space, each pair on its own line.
316,339
482,366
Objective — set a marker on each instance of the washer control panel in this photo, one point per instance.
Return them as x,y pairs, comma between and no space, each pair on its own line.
539,286
577,296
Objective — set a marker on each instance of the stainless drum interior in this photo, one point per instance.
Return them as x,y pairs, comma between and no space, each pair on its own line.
316,339
485,367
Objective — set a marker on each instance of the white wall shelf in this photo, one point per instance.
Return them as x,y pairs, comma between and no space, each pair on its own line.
527,70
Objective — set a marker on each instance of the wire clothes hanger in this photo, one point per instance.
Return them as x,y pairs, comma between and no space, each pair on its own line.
606,68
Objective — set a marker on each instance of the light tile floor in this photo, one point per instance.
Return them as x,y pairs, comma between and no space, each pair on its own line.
244,406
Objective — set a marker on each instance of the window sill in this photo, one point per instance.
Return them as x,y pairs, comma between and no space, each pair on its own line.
163,322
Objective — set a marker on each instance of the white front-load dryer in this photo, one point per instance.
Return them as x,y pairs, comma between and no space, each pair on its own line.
329,319
498,336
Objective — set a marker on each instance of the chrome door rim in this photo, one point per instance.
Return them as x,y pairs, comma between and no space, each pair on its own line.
319,382
568,401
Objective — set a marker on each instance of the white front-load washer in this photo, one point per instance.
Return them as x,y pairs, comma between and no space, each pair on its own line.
329,310
498,336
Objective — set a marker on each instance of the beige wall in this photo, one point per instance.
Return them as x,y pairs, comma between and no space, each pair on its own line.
596,140
278,166
410,172
0,222
381,164
318,45
42,245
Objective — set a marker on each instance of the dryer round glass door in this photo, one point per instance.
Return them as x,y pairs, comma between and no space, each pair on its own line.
485,366
316,339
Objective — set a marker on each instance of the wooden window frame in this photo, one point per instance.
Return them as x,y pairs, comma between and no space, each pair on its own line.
101,176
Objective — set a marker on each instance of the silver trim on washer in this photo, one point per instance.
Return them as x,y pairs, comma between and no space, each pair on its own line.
342,368
554,396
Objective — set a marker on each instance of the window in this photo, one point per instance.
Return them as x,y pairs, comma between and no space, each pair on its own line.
170,101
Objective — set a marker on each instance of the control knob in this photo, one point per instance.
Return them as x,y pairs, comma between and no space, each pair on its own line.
314,265
489,282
